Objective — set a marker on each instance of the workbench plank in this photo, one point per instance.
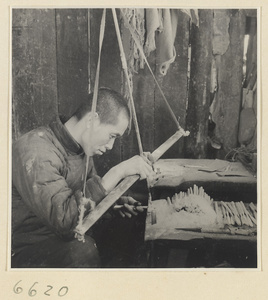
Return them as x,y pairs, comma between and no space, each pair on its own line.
177,171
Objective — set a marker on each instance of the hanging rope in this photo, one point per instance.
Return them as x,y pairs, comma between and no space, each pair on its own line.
124,66
145,59
84,201
96,87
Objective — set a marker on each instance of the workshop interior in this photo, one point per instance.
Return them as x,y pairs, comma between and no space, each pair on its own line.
190,79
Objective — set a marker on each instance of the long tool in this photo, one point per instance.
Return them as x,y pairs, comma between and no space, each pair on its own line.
123,186
229,230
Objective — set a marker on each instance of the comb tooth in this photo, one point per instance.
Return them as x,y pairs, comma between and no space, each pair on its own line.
243,220
251,206
222,214
216,211
238,220
246,214
153,217
226,214
201,191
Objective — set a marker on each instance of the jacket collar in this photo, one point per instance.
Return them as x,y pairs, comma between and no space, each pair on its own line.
64,136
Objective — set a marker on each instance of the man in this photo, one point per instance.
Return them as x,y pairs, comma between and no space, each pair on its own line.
48,169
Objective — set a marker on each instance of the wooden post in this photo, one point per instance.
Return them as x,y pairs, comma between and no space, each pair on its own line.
230,76
199,87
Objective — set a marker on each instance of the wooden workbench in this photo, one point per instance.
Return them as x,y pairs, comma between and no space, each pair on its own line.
175,172
216,176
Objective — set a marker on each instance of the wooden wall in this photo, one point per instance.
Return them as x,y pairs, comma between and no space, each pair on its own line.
34,69
72,58
53,68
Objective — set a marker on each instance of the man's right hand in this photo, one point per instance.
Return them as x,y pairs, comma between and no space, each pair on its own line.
137,165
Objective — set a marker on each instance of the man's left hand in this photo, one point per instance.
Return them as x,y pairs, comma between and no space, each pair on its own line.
129,207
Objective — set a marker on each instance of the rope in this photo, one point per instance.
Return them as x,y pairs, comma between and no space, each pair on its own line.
145,59
124,66
96,87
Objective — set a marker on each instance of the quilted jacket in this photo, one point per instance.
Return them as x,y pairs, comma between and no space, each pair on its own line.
48,167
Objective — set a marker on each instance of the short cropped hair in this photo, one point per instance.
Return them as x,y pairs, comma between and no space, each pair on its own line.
109,104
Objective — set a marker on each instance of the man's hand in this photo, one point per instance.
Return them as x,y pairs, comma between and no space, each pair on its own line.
140,165
127,206
137,165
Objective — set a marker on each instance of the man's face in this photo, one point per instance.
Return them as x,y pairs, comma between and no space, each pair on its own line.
103,135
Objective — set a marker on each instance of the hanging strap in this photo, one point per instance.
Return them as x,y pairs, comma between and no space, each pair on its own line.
124,66
96,88
135,38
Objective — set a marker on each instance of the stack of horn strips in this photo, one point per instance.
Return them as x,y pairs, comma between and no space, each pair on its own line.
236,213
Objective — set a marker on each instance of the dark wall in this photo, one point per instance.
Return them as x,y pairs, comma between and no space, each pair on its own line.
54,63
34,69
72,58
